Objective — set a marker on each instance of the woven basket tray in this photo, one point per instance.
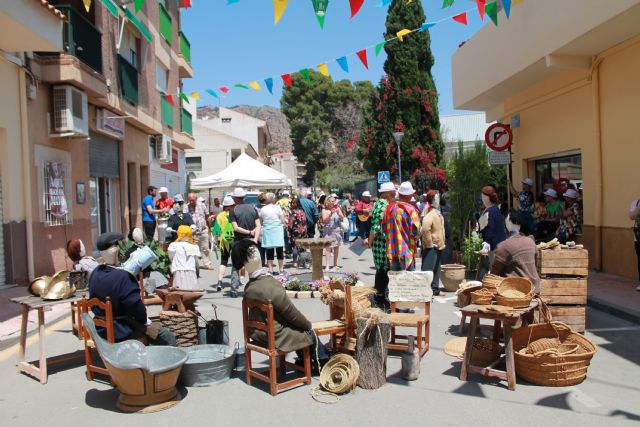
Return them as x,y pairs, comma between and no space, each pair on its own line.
516,292
481,297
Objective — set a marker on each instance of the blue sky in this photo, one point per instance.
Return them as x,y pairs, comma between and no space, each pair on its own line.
239,43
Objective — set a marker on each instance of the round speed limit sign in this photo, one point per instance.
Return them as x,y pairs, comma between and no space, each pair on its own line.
499,137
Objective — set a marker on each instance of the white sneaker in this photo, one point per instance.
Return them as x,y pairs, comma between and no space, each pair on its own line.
638,288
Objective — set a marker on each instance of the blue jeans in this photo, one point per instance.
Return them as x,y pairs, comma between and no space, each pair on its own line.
431,259
396,265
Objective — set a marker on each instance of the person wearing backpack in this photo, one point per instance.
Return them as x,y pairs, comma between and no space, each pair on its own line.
223,235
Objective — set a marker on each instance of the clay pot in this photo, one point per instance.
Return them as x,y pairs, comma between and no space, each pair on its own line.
452,275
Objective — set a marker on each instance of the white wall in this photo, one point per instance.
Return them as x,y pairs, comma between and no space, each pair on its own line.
241,126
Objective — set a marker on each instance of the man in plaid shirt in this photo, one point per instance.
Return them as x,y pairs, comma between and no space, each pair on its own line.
199,214
378,242
401,225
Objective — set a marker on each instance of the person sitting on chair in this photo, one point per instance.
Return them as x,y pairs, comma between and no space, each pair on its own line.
292,329
130,319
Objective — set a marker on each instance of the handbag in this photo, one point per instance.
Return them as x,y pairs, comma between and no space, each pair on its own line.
344,225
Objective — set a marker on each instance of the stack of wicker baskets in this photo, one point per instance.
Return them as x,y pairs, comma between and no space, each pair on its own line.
491,282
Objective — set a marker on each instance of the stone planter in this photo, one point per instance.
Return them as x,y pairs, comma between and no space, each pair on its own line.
452,275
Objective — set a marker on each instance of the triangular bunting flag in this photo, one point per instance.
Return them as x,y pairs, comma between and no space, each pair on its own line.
362,54
170,100
212,93
492,11
286,78
305,74
185,98
255,85
447,3
87,4
507,7
383,3
320,7
269,83
137,5
379,47
232,2
481,5
343,63
195,95
461,18
224,89
324,70
355,6
279,7
186,4
241,86
426,26
402,33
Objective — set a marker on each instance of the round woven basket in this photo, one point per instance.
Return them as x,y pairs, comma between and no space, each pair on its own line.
491,282
485,350
551,367
481,297
516,292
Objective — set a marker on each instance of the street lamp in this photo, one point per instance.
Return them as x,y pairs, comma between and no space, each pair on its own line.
399,136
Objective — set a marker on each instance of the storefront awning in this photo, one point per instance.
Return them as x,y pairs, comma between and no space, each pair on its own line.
134,20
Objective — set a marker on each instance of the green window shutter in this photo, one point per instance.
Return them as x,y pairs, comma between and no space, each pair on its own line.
167,112
128,80
187,122
185,47
166,29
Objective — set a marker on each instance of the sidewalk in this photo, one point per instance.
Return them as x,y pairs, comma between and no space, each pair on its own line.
614,294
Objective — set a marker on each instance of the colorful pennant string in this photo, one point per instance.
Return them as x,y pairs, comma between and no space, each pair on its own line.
355,6
490,9
506,4
87,4
137,5
279,6
362,54
195,95
447,3
184,97
170,100
320,8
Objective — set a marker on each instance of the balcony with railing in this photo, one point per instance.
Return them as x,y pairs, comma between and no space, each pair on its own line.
81,38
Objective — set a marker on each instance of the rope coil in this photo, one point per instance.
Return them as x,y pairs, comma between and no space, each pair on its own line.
338,376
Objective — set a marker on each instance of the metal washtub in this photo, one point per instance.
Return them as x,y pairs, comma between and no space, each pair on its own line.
208,364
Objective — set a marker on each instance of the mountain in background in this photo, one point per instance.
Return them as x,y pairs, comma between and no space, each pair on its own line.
277,122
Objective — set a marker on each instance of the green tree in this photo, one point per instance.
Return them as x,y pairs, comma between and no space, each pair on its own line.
324,117
406,100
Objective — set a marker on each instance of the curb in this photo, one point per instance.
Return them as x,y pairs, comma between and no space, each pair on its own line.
631,316
303,294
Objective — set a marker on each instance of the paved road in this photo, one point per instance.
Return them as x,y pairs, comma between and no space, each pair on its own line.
610,395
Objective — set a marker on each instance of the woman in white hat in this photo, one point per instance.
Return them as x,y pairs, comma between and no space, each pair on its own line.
571,221
223,235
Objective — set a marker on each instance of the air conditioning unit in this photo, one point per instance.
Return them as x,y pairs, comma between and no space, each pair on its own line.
164,149
70,112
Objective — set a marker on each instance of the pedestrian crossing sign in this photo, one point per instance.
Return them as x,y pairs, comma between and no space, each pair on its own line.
384,176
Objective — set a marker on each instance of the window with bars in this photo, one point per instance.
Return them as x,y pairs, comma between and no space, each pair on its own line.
56,208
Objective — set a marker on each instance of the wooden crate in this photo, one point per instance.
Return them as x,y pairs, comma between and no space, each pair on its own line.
573,316
564,291
567,262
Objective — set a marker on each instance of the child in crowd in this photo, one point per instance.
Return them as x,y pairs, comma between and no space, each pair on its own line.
183,253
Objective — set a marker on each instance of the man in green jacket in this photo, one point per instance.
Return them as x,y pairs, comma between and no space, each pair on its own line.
292,329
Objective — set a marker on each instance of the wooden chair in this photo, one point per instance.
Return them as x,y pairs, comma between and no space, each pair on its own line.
340,324
106,322
270,350
409,320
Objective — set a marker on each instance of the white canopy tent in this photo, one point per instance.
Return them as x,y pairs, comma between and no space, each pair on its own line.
243,172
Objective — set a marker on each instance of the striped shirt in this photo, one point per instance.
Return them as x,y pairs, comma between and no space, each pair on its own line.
401,224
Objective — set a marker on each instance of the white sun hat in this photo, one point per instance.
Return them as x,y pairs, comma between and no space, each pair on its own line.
571,193
228,201
528,181
386,187
551,193
406,189
366,194
163,190
238,192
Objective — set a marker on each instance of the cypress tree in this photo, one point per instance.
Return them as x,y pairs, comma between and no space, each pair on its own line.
405,100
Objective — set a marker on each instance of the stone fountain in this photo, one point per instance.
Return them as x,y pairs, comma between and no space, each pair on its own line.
316,246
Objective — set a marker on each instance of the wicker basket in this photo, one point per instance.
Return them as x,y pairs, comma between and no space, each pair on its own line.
481,297
491,282
485,351
551,367
516,292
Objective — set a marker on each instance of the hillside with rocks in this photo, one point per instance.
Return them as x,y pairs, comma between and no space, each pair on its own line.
277,122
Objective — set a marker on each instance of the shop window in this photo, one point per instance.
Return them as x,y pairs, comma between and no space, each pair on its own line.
559,173
56,189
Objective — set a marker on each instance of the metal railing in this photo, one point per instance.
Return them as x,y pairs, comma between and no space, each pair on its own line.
81,38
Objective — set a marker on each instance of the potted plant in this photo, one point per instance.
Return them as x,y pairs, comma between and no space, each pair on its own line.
470,247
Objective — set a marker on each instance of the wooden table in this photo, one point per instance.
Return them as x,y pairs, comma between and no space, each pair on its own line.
507,320
31,302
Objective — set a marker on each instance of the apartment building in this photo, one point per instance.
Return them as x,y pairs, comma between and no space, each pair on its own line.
98,119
